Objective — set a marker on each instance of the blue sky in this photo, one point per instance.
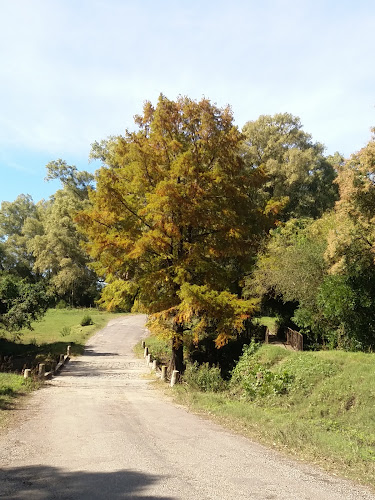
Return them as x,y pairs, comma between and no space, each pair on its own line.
76,71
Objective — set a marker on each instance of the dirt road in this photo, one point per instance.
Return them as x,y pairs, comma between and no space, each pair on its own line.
99,431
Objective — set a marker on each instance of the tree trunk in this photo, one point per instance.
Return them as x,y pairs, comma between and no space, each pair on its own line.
177,357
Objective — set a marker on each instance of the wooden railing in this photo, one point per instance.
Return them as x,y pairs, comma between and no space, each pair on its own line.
294,339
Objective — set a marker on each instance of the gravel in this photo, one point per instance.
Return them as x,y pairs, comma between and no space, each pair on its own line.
99,431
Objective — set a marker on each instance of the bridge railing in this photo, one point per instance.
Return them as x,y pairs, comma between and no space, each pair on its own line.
294,339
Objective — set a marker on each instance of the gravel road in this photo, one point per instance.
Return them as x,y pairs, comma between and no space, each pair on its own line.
99,431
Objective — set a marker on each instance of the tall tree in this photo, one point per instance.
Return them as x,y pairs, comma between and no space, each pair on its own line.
173,218
351,250
55,242
76,181
296,171
23,297
292,269
14,255
326,267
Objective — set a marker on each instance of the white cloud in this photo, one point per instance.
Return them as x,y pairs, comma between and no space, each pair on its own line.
73,72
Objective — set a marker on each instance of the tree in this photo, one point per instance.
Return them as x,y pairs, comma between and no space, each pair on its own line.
14,255
75,181
20,302
326,267
297,174
22,292
292,268
349,294
173,215
355,234
54,241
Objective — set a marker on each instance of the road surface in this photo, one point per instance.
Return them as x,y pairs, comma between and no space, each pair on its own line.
99,431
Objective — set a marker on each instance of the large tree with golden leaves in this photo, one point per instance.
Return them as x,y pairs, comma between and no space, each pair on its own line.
173,222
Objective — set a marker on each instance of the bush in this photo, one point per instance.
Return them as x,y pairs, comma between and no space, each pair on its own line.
204,378
61,304
254,380
65,331
246,362
86,320
261,382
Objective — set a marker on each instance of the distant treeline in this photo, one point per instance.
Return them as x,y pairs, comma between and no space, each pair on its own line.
203,226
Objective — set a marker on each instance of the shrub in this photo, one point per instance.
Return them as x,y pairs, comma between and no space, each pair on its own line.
261,382
204,377
246,362
86,320
253,379
65,331
61,304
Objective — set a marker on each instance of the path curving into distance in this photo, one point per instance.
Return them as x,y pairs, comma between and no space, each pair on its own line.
99,431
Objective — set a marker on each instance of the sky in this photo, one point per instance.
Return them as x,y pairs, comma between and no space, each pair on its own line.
76,71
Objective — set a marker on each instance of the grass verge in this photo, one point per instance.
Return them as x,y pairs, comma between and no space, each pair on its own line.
11,385
159,349
269,321
315,406
48,339
53,333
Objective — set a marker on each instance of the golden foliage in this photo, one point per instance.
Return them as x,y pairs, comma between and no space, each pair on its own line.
174,212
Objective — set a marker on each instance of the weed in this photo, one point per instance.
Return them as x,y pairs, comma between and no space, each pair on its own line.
159,348
65,331
204,377
317,405
86,320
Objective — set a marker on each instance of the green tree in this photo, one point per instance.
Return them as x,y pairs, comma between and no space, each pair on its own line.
20,302
75,181
348,297
14,255
295,169
326,267
54,241
173,217
22,290
292,268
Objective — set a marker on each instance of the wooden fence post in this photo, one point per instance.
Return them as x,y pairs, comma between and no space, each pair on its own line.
68,350
163,373
145,354
42,370
174,378
27,373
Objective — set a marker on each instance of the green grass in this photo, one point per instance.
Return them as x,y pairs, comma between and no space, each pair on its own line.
48,339
12,385
59,327
49,329
159,348
269,321
326,415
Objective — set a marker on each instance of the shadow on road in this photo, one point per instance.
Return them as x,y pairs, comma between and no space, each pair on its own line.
46,483
101,368
91,352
